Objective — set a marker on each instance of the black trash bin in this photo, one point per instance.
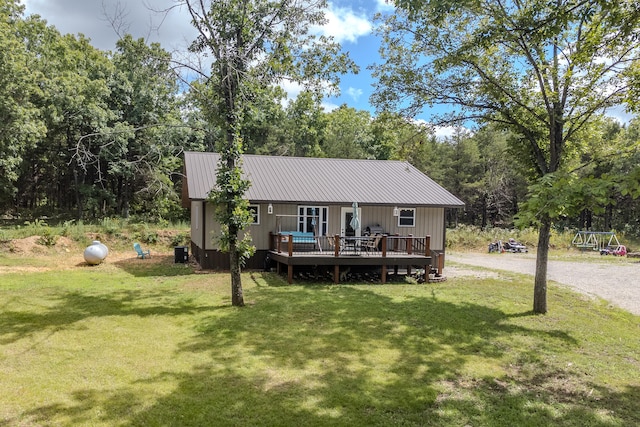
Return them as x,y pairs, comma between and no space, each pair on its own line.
181,254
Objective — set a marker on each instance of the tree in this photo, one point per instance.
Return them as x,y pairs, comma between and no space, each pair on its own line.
72,76
305,127
501,181
125,162
540,69
253,44
348,134
20,124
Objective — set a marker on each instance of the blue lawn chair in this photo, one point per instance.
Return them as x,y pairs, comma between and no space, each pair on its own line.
141,253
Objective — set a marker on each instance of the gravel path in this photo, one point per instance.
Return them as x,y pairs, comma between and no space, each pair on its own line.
618,283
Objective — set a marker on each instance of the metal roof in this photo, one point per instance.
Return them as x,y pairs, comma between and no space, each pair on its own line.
322,181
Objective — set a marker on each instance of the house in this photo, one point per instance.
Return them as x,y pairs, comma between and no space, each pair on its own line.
304,212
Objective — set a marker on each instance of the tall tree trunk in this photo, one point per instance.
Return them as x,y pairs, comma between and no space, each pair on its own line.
542,258
484,210
237,295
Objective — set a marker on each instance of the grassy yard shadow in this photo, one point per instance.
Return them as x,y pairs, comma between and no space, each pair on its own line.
350,355
157,265
69,308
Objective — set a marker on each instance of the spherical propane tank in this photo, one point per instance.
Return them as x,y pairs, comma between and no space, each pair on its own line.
104,248
95,253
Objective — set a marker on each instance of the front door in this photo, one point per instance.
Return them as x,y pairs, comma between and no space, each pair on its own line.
345,223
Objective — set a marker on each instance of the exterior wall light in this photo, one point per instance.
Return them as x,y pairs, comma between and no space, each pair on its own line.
270,209
396,212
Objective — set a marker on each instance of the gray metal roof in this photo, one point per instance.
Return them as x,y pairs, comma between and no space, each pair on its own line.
322,181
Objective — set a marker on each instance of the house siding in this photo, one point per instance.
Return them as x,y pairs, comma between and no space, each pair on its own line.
196,222
429,221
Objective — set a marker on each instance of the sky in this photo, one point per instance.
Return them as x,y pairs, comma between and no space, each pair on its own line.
350,23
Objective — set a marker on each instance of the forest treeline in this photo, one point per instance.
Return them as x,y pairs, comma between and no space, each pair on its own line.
88,134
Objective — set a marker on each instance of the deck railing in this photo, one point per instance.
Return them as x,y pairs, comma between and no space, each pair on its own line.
337,246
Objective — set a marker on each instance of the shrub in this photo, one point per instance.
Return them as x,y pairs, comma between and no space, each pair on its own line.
146,235
112,226
47,237
180,239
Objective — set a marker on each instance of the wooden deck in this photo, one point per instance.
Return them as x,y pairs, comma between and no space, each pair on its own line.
392,252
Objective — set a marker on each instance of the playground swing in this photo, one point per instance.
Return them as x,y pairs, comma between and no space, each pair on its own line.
603,241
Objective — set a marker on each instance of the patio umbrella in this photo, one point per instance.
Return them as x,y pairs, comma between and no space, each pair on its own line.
355,221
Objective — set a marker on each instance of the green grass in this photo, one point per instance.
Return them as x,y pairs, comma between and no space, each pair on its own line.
135,343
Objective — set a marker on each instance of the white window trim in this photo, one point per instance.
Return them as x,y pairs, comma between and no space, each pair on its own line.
324,220
257,216
413,218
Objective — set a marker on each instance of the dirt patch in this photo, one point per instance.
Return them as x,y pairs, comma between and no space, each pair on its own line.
27,245
33,244
27,269
458,271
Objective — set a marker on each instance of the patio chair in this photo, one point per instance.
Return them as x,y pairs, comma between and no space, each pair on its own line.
372,243
332,244
141,253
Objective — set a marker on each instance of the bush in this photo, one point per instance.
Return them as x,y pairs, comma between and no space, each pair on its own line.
112,226
47,237
145,235
180,239
469,237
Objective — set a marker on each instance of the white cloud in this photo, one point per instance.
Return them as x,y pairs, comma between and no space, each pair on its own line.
329,106
292,89
620,114
138,17
344,25
442,132
354,93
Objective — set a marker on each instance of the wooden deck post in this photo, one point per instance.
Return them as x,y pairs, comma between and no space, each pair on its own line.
384,246
279,243
440,264
383,279
290,245
290,274
427,246
336,245
409,251
427,253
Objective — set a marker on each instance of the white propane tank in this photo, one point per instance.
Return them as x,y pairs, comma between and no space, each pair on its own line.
95,253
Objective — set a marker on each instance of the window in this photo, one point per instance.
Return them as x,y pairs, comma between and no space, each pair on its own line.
255,212
407,218
313,219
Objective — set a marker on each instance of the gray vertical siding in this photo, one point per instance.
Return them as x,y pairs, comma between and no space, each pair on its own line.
196,222
429,221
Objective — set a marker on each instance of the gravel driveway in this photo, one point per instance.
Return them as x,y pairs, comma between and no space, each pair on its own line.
618,283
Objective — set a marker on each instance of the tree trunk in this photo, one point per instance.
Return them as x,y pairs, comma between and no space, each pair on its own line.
237,297
542,258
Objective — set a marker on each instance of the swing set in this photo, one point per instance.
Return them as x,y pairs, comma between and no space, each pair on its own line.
606,242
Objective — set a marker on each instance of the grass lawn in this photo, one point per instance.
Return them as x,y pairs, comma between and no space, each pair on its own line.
149,343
